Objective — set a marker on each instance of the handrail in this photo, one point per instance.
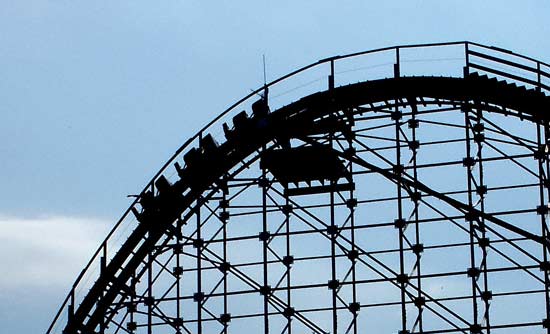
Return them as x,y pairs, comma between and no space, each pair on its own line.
509,63
332,60
495,48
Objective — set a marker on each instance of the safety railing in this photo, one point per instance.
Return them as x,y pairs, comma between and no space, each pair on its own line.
454,59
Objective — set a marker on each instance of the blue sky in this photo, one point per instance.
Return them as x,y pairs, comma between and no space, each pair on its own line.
96,95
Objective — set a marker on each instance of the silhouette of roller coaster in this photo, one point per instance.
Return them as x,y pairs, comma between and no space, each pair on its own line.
397,190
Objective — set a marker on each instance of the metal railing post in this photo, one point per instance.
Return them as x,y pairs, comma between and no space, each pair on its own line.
539,79
467,59
70,307
397,65
331,75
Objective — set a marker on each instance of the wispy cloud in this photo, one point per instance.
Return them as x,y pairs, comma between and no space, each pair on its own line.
46,251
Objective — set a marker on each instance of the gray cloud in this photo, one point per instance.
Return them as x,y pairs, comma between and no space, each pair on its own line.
46,251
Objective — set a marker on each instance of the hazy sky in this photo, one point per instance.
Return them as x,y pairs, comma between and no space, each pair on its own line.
96,95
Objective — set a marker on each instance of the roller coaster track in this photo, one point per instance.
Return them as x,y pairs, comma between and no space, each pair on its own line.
490,79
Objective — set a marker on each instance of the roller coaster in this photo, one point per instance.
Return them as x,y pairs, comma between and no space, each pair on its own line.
397,190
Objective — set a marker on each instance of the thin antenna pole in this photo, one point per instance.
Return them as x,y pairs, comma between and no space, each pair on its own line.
265,76
265,79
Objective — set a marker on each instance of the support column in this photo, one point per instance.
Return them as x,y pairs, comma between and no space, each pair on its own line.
265,290
473,272
418,247
481,191
351,204
542,210
288,260
400,223
333,233
199,295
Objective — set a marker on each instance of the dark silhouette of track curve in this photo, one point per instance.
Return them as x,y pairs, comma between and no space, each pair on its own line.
160,207
287,122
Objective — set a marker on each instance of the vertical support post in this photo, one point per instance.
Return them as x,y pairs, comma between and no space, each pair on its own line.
149,301
103,266
473,271
267,288
199,296
288,257
352,202
333,231
418,247
132,306
400,223
179,251
481,190
543,182
545,233
265,241
225,192
333,234
150,294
